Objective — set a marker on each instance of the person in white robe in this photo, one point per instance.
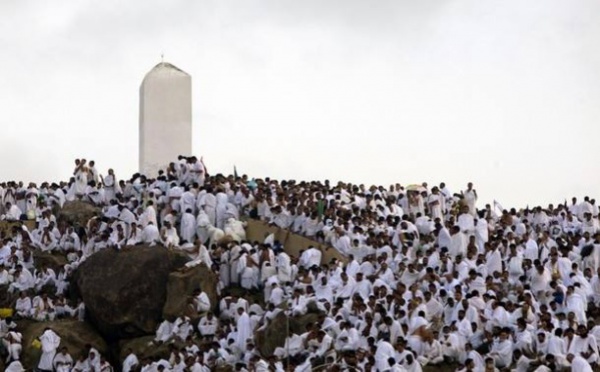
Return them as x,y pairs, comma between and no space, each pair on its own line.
209,205
235,229
595,288
215,235
276,295
110,184
187,228
244,328
466,222
410,364
12,343
50,342
202,302
284,267
515,265
310,257
164,332
576,303
202,224
458,243
384,352
81,177
481,233
540,280
579,363
221,207
188,200
247,269
207,326
63,360
502,350
43,308
13,212
169,235
584,345
23,306
435,203
470,198
182,328
493,259
23,280
433,352
150,234
451,344
197,255
149,215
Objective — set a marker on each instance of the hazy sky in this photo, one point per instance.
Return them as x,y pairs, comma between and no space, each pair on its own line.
505,94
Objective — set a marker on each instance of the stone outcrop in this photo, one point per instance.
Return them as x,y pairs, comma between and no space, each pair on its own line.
125,291
77,213
73,334
274,335
182,284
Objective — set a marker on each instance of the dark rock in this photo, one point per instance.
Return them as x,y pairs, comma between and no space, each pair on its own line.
51,260
77,213
7,300
181,285
73,334
274,335
125,291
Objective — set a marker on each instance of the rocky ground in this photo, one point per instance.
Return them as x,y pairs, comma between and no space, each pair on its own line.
127,294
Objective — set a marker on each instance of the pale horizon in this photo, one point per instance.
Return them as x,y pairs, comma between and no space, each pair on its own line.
501,94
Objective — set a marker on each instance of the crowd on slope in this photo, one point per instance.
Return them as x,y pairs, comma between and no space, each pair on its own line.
428,278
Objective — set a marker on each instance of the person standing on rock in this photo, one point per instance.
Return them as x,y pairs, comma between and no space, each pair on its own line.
81,173
50,342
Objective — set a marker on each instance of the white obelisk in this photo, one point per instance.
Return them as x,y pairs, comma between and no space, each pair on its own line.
165,117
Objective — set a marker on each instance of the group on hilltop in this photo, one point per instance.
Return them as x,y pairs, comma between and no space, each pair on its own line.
428,277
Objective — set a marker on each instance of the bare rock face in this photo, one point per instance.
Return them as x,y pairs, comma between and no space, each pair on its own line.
125,291
274,335
54,261
181,285
77,213
73,334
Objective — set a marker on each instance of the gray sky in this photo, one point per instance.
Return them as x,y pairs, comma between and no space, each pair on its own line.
505,94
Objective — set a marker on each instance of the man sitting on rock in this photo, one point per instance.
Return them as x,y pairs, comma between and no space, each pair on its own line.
63,362
208,326
23,306
164,333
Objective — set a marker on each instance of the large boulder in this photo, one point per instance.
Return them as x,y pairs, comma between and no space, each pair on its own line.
77,213
182,284
125,291
73,334
274,335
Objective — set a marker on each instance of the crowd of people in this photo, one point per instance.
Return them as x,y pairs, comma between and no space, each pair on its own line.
428,277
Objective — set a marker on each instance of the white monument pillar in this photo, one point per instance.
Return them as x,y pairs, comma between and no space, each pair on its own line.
165,117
